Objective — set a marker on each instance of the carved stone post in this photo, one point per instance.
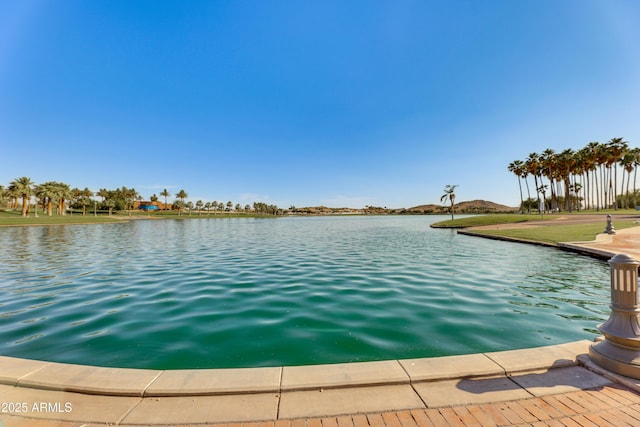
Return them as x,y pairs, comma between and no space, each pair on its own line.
609,229
620,350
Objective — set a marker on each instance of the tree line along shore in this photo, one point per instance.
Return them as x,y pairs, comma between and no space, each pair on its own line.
596,177
59,198
53,198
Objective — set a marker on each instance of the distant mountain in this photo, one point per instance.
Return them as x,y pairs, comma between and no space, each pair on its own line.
473,206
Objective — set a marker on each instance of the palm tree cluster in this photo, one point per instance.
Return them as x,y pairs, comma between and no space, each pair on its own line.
179,204
49,194
263,208
598,176
118,199
60,197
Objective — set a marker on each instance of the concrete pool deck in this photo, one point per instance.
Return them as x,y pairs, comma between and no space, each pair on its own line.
625,241
539,385
553,385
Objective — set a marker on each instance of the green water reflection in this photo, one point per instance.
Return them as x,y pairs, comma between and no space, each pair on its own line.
287,291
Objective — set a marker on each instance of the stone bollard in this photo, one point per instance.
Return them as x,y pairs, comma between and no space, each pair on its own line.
619,352
609,229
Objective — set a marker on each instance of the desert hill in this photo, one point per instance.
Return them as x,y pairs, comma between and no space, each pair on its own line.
473,206
470,207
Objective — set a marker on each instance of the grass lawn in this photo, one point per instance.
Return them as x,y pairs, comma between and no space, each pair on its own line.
492,219
14,218
559,233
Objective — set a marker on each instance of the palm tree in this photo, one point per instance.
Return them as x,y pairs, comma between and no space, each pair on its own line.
586,165
566,167
608,157
48,192
592,153
627,164
199,205
85,199
103,193
549,166
12,197
616,148
179,205
110,204
636,163
542,189
449,193
22,187
129,195
514,167
534,168
181,195
165,194
64,193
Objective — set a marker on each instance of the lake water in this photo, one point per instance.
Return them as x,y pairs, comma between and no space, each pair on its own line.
213,293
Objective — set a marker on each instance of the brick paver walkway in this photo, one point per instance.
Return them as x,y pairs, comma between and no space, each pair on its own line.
612,405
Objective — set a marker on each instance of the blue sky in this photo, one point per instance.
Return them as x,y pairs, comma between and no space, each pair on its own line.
339,103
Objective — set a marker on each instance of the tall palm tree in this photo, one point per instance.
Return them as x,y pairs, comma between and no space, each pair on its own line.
165,194
525,174
616,149
626,162
565,167
129,195
449,193
534,168
549,167
601,158
516,167
579,182
592,152
586,165
636,164
22,187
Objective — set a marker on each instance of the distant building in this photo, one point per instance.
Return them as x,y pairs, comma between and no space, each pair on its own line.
145,205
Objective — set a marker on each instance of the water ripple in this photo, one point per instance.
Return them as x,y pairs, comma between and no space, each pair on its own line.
263,292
